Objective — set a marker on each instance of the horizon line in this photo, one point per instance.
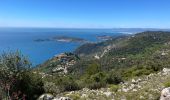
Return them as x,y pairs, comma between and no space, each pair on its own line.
87,27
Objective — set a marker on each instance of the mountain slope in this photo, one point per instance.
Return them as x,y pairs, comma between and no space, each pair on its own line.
147,87
119,61
139,50
120,45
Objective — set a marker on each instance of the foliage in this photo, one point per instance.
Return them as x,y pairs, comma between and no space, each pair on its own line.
31,85
167,84
15,78
114,88
93,68
51,87
95,81
114,78
61,84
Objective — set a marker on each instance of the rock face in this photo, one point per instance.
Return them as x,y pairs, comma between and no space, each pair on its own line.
46,97
165,94
51,97
63,98
166,71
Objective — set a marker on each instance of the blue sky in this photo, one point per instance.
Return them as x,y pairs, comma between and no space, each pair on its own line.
85,13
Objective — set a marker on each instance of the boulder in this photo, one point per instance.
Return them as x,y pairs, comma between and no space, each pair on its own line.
84,96
46,97
134,81
166,71
108,94
165,94
64,98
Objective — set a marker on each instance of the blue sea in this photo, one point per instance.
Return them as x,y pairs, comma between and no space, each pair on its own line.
22,39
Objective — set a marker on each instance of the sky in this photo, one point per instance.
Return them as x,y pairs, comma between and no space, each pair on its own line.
85,13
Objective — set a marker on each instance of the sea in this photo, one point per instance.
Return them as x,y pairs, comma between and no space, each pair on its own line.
23,40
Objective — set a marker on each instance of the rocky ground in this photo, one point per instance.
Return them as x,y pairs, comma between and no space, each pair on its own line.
143,88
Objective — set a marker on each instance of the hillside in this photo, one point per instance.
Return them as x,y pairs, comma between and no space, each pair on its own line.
141,53
129,44
112,64
91,49
147,87
131,51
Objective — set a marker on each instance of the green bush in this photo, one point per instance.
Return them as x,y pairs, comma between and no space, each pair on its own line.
93,68
51,87
75,96
66,83
95,81
31,85
113,78
137,71
114,88
167,84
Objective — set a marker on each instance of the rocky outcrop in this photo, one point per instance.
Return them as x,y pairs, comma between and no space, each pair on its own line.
51,97
149,87
141,88
165,94
46,97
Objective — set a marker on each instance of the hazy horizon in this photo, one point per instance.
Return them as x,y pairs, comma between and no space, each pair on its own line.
85,27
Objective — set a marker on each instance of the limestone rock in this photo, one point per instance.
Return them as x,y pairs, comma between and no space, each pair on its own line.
165,94
166,71
108,94
46,97
64,98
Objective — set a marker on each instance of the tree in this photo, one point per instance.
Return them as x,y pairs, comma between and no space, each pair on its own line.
15,76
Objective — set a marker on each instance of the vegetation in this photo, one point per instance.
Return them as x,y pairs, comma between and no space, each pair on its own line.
167,83
114,88
131,56
127,57
16,79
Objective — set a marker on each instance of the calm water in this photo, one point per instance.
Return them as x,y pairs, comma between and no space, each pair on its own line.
23,40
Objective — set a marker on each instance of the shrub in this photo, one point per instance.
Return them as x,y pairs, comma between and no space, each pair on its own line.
113,78
114,88
137,71
75,96
15,78
11,67
167,84
50,87
31,85
95,81
93,68
96,85
66,83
